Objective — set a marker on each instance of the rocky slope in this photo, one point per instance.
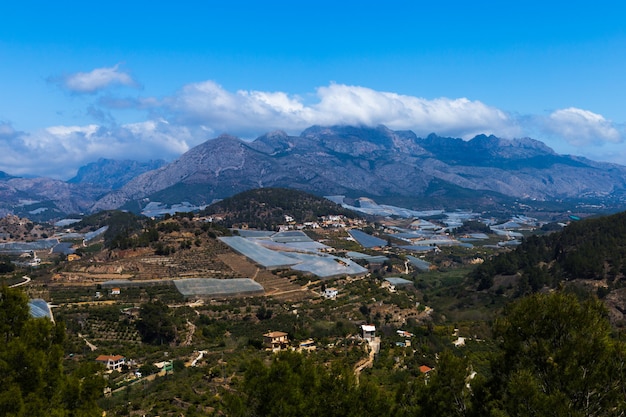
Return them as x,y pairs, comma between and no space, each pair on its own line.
389,166
113,174
375,162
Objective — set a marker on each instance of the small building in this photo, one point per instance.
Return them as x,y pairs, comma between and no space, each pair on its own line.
115,291
330,293
275,341
306,345
425,369
165,366
112,362
368,332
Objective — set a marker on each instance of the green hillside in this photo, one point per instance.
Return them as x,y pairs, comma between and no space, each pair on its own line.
592,249
266,208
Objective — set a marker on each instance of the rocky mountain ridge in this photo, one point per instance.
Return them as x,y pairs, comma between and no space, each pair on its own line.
338,160
376,162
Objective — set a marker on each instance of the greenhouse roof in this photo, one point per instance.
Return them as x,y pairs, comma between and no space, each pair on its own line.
213,287
397,281
366,257
257,253
42,244
418,248
420,264
254,233
291,236
39,308
366,240
325,266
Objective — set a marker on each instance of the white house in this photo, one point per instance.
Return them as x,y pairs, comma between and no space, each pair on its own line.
368,332
112,362
330,293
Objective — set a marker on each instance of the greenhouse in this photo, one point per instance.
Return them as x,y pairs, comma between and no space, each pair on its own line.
213,287
398,282
254,233
291,236
17,247
325,266
368,258
39,308
365,240
265,257
420,264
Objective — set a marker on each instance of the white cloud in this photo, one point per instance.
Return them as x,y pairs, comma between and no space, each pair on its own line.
582,128
457,117
96,80
58,151
251,113
246,113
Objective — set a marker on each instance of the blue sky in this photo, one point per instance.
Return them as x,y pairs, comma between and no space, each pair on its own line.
139,80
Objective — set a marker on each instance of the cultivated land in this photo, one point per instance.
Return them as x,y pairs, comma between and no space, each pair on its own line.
435,311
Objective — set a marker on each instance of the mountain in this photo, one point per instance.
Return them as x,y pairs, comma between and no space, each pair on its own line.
391,167
113,174
374,162
43,198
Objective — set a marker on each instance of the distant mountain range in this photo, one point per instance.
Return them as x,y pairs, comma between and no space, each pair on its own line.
389,166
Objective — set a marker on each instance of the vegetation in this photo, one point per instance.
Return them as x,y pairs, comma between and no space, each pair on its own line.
156,325
594,249
554,356
534,343
31,372
266,208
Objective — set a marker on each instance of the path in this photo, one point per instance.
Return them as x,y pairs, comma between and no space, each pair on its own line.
374,346
91,345
26,281
192,330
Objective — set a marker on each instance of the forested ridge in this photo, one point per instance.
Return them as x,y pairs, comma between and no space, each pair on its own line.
592,249
266,208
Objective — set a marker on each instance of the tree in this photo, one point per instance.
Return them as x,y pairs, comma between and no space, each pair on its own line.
14,313
155,324
31,373
294,385
557,358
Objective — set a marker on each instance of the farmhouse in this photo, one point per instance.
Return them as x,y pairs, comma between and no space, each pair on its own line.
112,362
275,341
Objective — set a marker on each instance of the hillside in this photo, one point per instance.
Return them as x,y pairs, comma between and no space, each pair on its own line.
589,253
266,208
113,174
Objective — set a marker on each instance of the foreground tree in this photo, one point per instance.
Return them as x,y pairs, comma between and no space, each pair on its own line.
294,385
557,358
31,373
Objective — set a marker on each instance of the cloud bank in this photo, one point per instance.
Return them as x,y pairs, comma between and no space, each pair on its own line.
250,113
58,151
169,126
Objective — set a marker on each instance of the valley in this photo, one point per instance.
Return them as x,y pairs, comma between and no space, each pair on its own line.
417,286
